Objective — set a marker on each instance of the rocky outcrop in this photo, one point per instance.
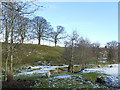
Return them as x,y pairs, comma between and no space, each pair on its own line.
109,81
100,79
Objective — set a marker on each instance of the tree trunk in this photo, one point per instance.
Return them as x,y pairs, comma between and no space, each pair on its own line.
12,34
5,77
10,71
11,64
6,33
6,58
70,68
39,41
11,46
6,51
39,38
23,35
22,39
55,42
9,75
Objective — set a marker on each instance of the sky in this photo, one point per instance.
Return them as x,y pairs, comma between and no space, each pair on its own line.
97,21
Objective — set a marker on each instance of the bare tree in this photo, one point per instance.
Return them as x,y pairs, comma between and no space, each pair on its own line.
78,51
48,34
11,11
69,53
57,35
96,49
84,52
40,27
23,28
112,51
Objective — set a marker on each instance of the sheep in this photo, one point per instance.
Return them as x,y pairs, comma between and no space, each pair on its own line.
55,71
48,74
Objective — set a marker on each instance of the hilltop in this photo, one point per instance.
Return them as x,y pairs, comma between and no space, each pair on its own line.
33,53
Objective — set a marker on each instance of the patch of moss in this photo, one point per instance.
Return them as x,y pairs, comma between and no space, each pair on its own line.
92,76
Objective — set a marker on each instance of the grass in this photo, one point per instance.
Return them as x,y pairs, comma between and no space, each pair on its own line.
29,77
92,76
31,53
28,54
75,82
44,82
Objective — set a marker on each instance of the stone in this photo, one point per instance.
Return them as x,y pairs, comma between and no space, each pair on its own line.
99,66
100,79
29,67
111,66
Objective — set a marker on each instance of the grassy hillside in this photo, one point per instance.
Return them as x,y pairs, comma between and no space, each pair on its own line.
31,53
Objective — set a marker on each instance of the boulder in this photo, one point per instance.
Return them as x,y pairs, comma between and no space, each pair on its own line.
100,79
99,66
23,67
29,67
111,66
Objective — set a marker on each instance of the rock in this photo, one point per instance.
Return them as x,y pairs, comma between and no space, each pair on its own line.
49,64
56,68
99,66
24,67
48,74
85,82
111,66
17,71
40,68
86,66
18,79
39,62
100,79
29,67
24,80
44,63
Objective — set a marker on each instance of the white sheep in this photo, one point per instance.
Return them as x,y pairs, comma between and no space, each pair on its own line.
48,74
